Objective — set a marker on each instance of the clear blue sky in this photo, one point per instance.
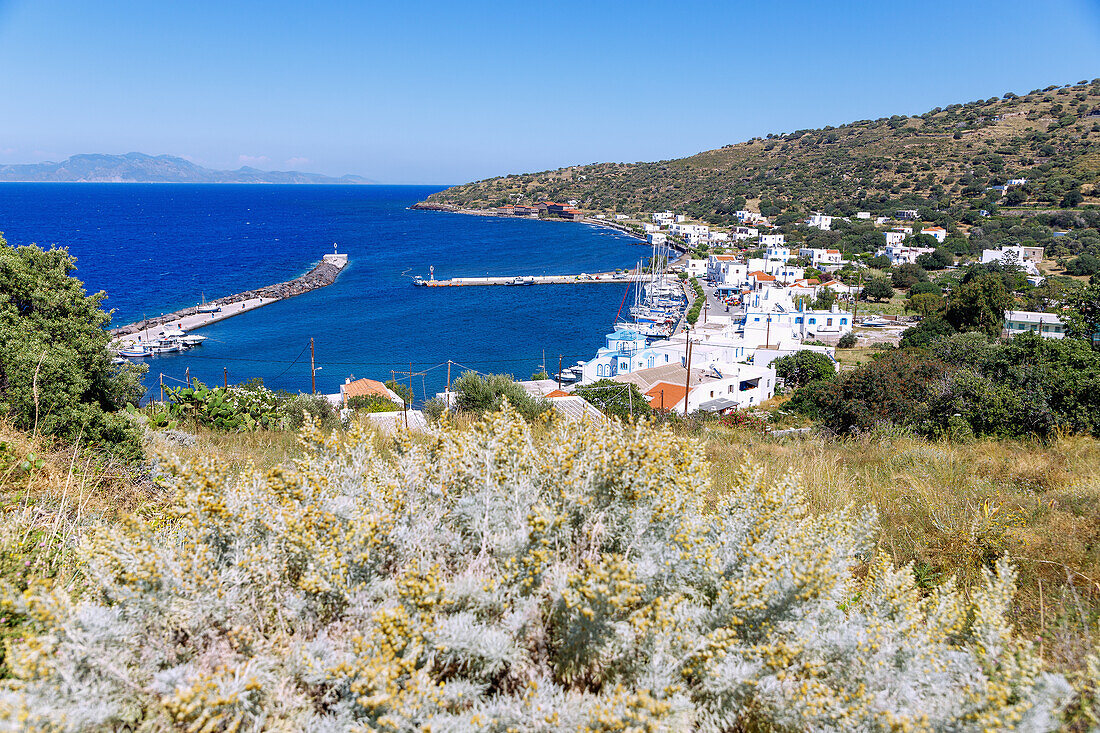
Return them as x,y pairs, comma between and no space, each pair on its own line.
444,92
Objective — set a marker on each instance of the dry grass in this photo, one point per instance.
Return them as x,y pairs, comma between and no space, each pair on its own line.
951,509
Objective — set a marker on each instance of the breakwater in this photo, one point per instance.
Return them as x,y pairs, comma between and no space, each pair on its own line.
323,274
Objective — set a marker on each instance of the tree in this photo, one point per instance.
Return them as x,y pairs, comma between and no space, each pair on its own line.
803,367
1072,198
1083,313
918,288
924,304
879,262
877,288
403,391
616,399
847,341
978,304
56,374
925,333
906,275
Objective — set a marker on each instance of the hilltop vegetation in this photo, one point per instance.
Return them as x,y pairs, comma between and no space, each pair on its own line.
944,159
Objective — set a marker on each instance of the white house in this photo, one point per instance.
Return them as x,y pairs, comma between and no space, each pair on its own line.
907,214
901,255
750,217
939,233
787,273
697,268
893,239
713,387
1016,182
772,240
1022,254
719,236
656,238
621,217
680,218
820,221
819,256
726,270
1047,325
745,233
771,316
863,214
663,217
690,230
651,227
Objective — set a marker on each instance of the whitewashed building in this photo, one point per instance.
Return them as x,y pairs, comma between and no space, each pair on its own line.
820,221
1047,325
819,256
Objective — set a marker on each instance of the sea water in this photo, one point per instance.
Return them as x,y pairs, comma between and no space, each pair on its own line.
155,248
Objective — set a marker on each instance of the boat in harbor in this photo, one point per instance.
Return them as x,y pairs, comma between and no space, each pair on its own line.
134,351
205,307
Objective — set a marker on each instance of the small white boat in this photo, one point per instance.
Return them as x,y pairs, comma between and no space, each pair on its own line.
191,340
133,351
205,307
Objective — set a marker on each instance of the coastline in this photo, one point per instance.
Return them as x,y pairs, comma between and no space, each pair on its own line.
450,208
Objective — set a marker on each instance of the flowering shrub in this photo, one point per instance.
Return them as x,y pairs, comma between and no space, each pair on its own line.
483,580
743,420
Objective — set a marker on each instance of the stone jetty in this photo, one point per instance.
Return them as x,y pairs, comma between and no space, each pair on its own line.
322,275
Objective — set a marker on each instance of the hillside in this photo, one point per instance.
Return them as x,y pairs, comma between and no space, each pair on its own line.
945,158
142,168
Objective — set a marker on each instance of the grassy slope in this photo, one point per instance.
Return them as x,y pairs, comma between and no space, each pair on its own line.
947,507
866,164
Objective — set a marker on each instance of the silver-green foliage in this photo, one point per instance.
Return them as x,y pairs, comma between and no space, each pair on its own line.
489,580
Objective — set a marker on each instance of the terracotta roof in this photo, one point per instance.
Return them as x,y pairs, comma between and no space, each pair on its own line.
666,394
557,393
762,276
833,251
725,258
364,387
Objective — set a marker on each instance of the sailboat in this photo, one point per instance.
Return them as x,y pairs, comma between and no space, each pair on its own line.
211,308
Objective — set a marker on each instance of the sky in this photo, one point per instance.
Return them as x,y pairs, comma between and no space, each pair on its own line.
447,92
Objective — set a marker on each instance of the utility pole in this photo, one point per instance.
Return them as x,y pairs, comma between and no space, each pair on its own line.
412,394
448,375
187,375
559,371
225,376
855,300
312,367
162,386
630,398
687,380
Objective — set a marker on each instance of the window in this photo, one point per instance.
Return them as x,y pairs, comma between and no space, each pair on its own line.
813,320
829,322
798,319
843,321
757,320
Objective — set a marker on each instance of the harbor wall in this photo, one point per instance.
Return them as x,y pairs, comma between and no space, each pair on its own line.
322,275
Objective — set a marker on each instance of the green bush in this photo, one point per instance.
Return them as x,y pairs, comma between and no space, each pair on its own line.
847,341
803,367
488,580
478,394
373,403
56,375
292,412
616,399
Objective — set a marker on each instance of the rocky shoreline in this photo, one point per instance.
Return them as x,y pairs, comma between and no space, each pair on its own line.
322,275
451,208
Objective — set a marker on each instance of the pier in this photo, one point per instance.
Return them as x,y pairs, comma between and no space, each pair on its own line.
323,274
520,280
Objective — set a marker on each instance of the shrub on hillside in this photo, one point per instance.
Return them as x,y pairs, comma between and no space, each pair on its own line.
56,375
486,581
803,367
373,403
476,393
925,333
296,410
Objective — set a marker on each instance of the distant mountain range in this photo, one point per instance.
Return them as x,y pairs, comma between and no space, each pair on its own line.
141,168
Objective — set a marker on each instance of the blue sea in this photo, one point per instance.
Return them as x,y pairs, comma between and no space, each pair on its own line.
156,248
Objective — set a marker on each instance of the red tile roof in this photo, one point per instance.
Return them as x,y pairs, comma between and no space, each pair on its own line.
666,394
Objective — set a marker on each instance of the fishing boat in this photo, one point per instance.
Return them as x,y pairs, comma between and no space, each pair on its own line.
134,351
191,340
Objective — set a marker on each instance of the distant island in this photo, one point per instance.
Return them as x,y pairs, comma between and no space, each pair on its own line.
142,168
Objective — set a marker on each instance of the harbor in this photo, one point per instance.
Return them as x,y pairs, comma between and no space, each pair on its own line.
169,333
581,279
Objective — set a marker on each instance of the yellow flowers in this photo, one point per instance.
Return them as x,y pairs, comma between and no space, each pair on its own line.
489,579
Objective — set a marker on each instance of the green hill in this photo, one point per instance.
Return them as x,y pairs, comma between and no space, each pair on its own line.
945,159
